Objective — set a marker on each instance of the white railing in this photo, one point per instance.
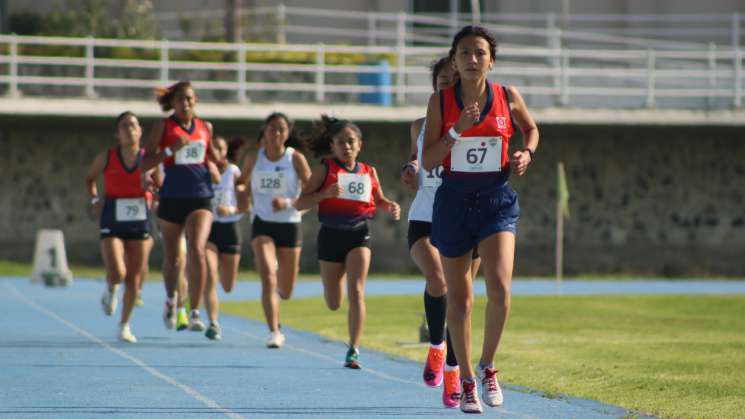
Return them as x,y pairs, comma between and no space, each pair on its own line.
710,78
297,24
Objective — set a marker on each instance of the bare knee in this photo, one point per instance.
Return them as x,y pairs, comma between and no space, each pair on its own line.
499,293
460,304
284,294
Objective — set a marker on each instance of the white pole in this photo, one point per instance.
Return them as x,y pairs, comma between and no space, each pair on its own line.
559,233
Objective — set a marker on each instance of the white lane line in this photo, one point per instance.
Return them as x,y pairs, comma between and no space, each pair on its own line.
152,371
371,371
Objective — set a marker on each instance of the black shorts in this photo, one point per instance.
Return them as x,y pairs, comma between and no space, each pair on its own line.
176,210
335,243
127,235
283,234
226,237
420,229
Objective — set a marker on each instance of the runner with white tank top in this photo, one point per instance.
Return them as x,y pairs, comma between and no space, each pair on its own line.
276,173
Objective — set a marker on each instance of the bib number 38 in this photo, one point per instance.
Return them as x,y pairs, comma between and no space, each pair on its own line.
355,187
191,153
477,155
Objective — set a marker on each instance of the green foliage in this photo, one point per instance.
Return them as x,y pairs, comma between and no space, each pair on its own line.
672,356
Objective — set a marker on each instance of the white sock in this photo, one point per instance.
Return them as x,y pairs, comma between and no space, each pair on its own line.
440,346
451,367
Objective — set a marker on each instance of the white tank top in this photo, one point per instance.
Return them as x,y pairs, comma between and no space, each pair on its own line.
270,179
429,181
225,194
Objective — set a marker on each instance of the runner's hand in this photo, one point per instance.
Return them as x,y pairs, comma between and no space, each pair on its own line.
519,162
469,117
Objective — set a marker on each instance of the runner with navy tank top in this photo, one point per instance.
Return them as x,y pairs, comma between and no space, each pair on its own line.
183,143
123,217
224,242
468,131
276,175
347,193
440,367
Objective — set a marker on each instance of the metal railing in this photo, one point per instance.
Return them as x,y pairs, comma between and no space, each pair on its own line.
297,24
710,78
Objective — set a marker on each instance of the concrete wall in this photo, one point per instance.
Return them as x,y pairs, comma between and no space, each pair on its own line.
646,200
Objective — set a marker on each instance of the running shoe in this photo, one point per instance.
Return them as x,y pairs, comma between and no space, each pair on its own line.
469,398
213,332
195,323
352,359
125,335
491,393
275,340
139,301
108,300
169,315
451,390
433,367
182,320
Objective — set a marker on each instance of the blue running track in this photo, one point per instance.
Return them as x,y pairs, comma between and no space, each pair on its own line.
59,358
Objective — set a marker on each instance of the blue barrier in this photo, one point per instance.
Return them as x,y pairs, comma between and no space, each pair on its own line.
380,78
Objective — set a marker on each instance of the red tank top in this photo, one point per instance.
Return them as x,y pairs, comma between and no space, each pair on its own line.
496,121
357,202
172,130
119,180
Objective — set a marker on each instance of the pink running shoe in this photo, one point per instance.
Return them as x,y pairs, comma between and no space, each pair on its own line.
451,390
433,367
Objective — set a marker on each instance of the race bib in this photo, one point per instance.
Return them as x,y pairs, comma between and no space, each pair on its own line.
267,182
477,155
192,153
131,209
355,187
432,178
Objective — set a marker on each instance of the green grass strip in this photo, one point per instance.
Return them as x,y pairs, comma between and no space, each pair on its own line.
672,356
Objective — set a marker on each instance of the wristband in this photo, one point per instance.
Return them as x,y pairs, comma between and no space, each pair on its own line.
94,200
168,151
531,152
453,134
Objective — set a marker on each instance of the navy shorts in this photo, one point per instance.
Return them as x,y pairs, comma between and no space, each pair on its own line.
125,230
421,229
226,237
176,210
461,220
335,243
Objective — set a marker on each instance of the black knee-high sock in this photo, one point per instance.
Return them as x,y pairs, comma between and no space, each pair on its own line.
450,358
435,308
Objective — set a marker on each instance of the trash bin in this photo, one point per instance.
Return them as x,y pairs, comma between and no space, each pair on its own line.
379,78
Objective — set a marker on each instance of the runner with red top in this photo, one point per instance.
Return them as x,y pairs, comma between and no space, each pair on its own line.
347,193
441,364
183,143
468,131
123,218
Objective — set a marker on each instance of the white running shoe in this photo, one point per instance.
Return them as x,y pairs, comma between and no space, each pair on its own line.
125,335
491,393
469,398
169,315
108,300
195,323
275,340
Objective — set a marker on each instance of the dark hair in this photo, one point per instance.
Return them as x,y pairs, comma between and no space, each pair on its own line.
479,31
326,129
295,139
234,146
435,69
122,116
165,95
